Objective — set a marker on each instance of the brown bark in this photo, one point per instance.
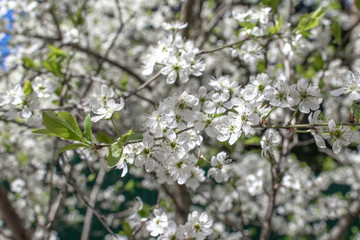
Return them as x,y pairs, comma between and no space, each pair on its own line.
11,218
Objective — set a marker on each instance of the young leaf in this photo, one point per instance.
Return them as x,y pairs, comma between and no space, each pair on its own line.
336,31
70,119
135,136
27,89
357,3
114,154
56,52
126,135
355,111
310,20
60,128
43,131
87,128
70,147
28,62
277,27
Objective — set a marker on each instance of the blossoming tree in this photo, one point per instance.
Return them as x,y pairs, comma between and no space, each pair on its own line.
239,116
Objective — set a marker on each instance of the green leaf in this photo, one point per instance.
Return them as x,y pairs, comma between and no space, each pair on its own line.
70,119
247,25
135,136
28,62
357,3
87,128
70,147
317,61
355,112
130,186
60,127
27,88
126,135
114,153
126,228
91,177
277,27
103,138
56,52
271,3
310,20
336,31
22,157
53,67
43,131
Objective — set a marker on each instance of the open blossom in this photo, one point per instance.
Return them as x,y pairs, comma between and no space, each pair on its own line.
341,136
176,68
307,95
199,226
219,167
157,224
43,88
104,110
13,96
250,52
314,119
269,141
174,26
350,83
280,95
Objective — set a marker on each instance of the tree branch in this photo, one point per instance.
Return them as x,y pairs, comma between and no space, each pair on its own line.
11,218
92,201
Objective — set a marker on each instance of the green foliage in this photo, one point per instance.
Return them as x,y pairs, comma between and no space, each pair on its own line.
336,31
71,146
54,59
22,157
91,177
135,136
275,29
309,21
357,3
355,112
114,153
271,3
126,229
27,88
124,81
77,18
62,125
29,63
261,66
247,25
103,138
145,211
130,186
125,137
88,128
316,61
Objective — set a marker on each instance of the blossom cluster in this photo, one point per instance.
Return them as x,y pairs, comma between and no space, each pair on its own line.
245,87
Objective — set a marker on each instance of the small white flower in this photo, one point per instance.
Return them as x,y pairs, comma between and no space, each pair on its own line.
175,68
157,225
219,167
200,225
106,109
269,141
314,119
350,83
174,26
307,95
341,136
43,88
280,95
